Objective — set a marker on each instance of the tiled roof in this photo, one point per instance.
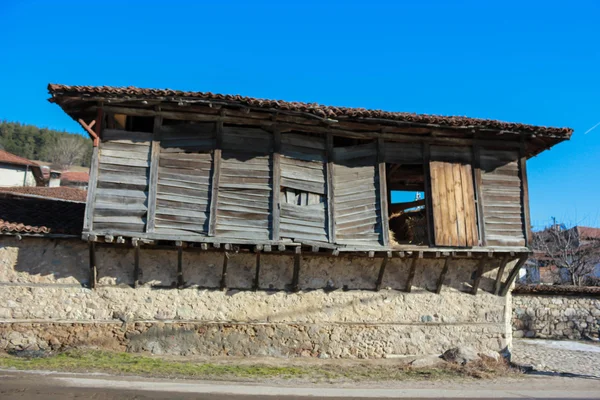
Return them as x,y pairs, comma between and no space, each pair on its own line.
557,289
75,176
60,193
9,158
26,214
587,233
332,112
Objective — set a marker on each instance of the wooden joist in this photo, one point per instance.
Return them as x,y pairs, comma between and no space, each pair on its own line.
136,263
384,262
411,275
513,274
501,268
440,282
180,280
93,269
256,282
296,275
223,284
478,275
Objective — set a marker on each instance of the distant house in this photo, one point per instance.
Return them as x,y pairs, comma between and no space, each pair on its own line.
541,268
19,171
74,179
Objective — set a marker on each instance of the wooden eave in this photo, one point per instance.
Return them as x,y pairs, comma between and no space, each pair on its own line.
85,107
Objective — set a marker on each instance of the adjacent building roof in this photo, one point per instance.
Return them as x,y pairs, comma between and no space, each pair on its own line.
9,158
73,176
588,233
60,92
59,193
22,213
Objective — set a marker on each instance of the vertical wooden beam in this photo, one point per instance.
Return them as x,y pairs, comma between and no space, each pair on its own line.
330,189
411,275
383,195
180,281
296,276
88,222
381,273
501,269
153,175
136,263
513,274
525,195
440,282
93,275
276,184
477,184
216,176
478,275
428,194
256,283
224,272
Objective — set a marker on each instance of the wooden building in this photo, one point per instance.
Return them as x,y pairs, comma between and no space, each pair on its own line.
203,170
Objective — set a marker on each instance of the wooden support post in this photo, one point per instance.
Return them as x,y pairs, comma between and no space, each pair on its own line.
440,282
153,175
296,276
525,196
381,273
180,281
428,198
501,269
411,275
93,181
330,189
478,275
256,283
477,184
216,177
136,263
276,184
383,193
93,266
224,273
513,274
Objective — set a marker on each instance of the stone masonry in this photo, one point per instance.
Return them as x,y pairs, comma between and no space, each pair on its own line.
556,317
44,304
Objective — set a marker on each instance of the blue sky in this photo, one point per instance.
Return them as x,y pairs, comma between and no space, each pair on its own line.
535,63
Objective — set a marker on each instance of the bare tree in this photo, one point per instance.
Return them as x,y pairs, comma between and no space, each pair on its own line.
65,151
568,253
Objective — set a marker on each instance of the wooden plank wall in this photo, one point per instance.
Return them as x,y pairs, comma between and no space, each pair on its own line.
184,178
121,201
501,192
453,197
303,188
356,195
245,184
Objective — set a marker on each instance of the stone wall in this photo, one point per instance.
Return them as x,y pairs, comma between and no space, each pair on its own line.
556,316
44,304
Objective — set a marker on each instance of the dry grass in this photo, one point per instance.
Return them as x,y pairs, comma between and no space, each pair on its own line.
140,365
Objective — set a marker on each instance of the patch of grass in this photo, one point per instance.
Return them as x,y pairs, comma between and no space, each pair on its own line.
131,364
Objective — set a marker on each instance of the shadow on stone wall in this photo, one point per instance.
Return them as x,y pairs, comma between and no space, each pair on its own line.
66,262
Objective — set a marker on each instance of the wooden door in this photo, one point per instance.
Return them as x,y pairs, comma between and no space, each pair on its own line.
453,198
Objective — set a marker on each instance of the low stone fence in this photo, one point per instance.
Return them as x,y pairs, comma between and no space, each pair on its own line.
556,312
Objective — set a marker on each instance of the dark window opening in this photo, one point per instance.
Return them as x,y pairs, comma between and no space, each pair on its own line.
406,196
140,124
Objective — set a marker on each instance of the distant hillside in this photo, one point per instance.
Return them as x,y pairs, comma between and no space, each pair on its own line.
36,143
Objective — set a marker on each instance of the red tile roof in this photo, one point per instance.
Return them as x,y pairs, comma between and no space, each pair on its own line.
587,233
131,93
40,215
9,158
75,176
60,193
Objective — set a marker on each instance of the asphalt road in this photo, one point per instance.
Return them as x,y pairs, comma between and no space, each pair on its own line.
44,386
